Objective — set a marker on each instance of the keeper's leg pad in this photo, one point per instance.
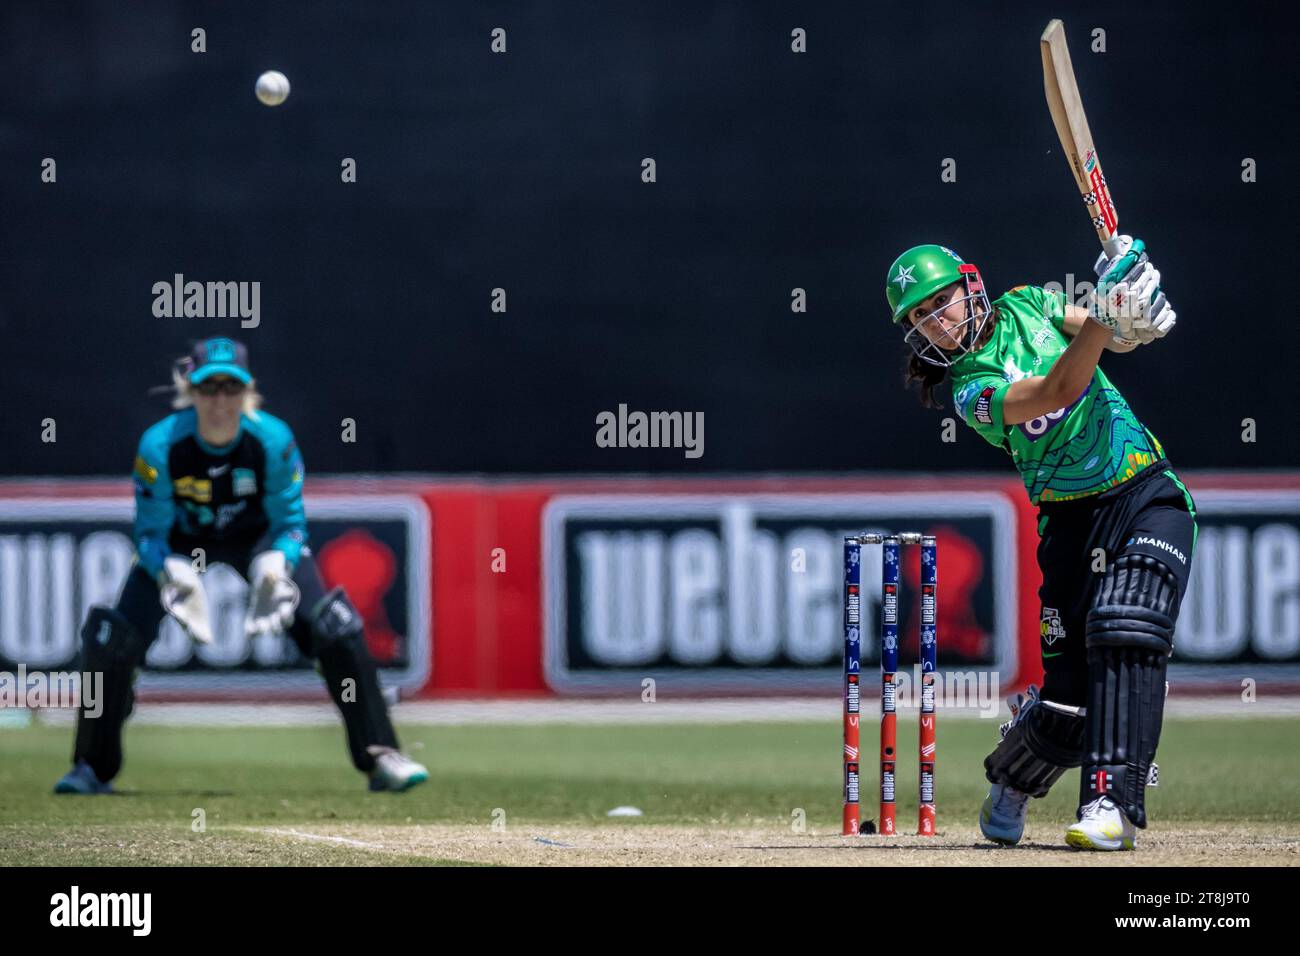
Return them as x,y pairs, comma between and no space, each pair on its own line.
1042,741
338,639
1129,636
111,650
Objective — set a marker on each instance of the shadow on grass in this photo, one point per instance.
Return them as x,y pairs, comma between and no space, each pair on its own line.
335,794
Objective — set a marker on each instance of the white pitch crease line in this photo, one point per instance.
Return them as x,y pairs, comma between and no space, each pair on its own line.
319,837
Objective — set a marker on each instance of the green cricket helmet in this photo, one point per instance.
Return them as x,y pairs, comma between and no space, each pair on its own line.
918,274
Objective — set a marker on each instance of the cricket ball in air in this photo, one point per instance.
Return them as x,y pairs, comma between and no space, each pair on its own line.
272,88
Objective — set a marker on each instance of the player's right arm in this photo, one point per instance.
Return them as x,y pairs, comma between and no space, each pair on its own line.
180,590
1074,319
154,512
1038,395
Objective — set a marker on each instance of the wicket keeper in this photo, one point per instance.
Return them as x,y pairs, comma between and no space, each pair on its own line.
222,478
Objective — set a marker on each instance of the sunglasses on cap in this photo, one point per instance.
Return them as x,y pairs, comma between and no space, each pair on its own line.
222,386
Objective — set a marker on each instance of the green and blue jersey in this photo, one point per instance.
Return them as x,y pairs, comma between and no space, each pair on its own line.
1093,443
189,494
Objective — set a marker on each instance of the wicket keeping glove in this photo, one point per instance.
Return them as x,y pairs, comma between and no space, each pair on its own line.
182,595
272,595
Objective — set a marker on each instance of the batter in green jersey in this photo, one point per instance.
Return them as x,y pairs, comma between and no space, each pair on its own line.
1116,526
1086,446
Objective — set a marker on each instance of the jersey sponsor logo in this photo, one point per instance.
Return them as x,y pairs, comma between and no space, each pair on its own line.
245,481
1013,372
294,458
228,513
963,396
196,489
983,411
216,471
1157,543
145,471
1036,428
1050,628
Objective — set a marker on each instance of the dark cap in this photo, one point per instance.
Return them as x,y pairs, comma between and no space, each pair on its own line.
219,356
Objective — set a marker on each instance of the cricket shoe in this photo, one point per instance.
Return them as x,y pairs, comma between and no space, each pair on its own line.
1002,816
81,779
394,771
1102,826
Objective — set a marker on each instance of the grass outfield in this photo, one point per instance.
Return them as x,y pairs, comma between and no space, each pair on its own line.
290,796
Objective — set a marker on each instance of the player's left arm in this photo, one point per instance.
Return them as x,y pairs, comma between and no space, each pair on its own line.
1073,322
283,498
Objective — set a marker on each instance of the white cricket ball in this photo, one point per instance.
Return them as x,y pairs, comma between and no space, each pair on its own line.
272,88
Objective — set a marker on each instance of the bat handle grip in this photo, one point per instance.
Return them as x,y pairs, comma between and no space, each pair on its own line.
1114,246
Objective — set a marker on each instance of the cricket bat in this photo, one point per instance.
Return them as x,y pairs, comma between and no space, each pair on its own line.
1076,139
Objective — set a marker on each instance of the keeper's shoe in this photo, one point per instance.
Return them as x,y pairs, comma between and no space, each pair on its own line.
1102,826
394,771
82,780
1002,816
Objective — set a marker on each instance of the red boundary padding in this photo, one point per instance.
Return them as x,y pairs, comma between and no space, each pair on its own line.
487,626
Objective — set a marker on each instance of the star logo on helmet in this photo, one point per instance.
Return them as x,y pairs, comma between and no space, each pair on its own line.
904,277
